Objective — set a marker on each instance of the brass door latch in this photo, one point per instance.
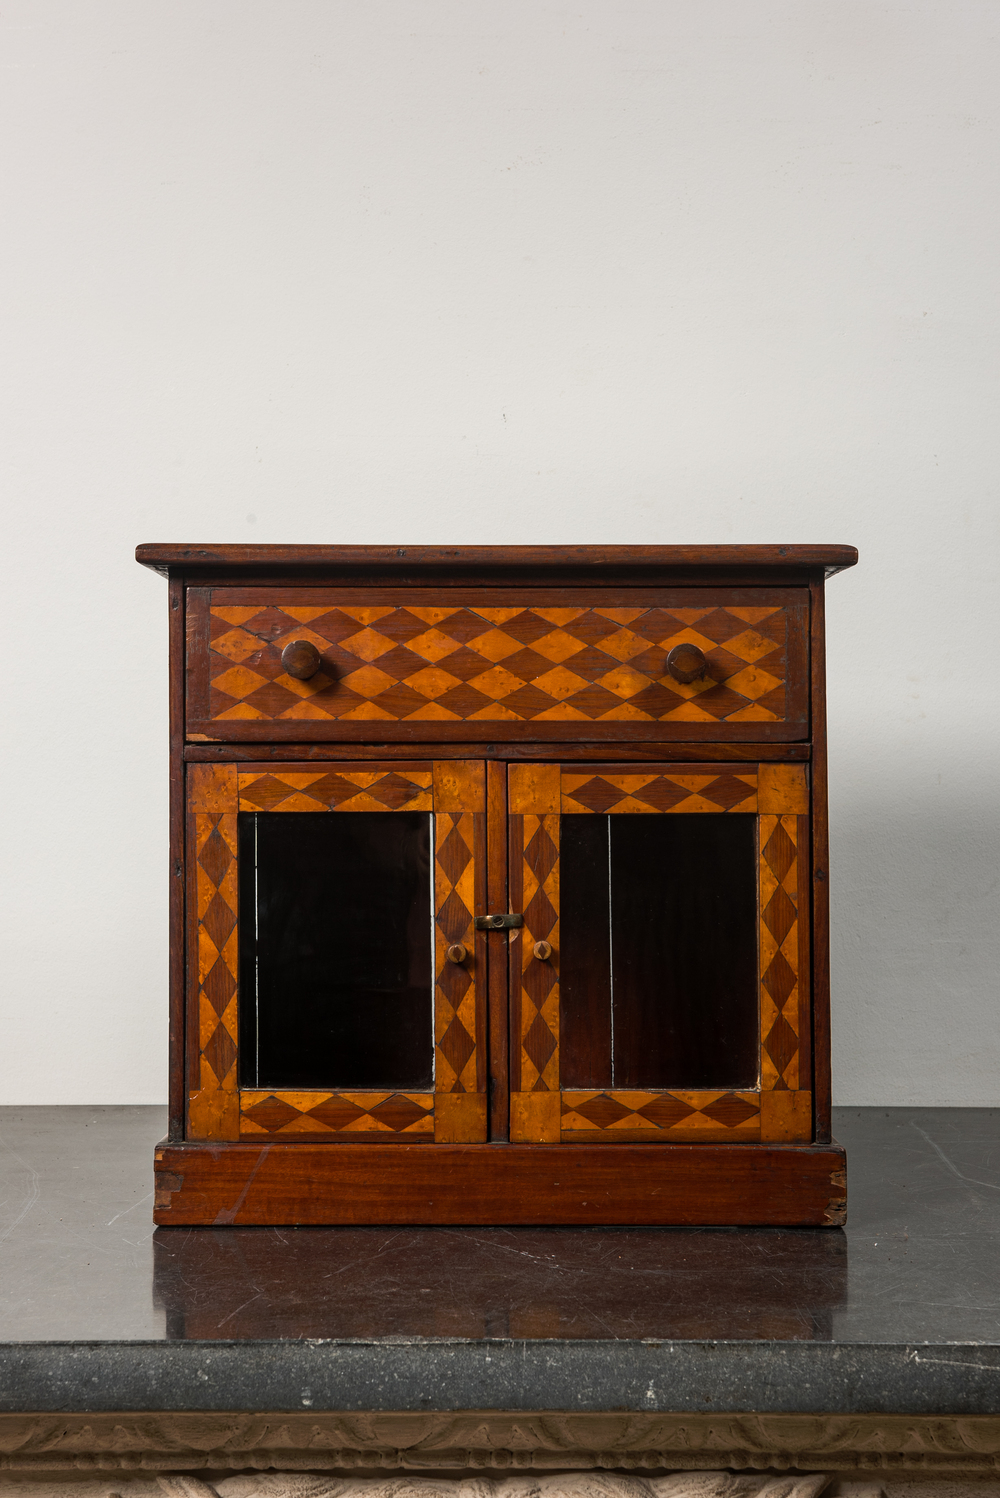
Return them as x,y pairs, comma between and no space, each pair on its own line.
498,922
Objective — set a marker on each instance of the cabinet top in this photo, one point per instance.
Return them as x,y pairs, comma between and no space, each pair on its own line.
500,563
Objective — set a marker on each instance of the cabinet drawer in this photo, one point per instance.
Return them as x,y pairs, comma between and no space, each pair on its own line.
418,665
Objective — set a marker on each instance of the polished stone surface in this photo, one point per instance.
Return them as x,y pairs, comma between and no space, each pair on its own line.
643,1318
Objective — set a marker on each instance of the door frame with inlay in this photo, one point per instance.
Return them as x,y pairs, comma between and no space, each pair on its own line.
454,791
779,1107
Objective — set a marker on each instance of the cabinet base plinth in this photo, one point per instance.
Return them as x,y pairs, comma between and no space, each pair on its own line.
656,1185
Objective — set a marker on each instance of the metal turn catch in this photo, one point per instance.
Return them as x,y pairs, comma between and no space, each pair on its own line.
498,922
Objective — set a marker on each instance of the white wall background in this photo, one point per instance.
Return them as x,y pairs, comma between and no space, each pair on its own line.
501,271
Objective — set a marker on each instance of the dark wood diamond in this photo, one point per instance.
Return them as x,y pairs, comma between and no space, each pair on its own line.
727,791
537,980
219,986
539,1043
665,1112
779,852
463,626
457,1046
218,921
774,701
267,792
730,1111
270,624
400,625
330,790
602,1111
720,702
398,1111
591,663
454,982
539,917
774,627
652,662
453,855
336,1112
661,794
591,629
528,701
656,625
335,627
597,794
541,855
781,1043
464,700
656,700
594,701
464,664
399,662
215,857
722,664
720,626
526,664
780,915
453,918
779,980
394,791
400,700
271,1113
220,1053
271,700
526,628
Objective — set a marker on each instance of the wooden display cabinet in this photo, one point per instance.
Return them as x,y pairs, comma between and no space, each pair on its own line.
498,886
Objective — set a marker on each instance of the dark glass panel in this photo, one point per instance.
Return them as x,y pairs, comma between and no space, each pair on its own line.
336,971
584,953
684,951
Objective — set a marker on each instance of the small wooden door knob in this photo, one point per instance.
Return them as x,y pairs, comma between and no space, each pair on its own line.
301,659
686,663
456,953
542,951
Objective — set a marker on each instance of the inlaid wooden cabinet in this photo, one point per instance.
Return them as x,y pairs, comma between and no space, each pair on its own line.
498,886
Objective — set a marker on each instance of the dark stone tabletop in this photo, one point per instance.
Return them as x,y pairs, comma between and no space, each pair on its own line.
900,1313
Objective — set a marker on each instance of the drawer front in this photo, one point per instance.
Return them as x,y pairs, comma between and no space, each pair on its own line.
419,665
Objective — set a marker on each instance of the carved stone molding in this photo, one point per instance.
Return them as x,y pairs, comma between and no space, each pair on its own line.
924,1446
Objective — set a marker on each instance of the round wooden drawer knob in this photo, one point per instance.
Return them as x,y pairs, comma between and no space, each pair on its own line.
456,953
542,951
301,659
686,663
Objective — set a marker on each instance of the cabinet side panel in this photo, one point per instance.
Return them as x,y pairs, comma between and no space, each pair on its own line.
819,874
175,1089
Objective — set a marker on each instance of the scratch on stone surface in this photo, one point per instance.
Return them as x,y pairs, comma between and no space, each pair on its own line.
33,1190
970,1180
125,1210
914,1357
239,1308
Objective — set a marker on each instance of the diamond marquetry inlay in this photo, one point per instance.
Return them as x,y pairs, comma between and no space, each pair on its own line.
409,1115
504,664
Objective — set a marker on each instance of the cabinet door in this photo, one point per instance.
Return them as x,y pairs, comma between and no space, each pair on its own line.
336,978
659,984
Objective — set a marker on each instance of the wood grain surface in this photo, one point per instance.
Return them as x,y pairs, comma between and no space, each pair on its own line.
455,560
685,1185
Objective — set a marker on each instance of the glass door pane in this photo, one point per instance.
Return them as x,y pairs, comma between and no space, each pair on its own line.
659,952
336,950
